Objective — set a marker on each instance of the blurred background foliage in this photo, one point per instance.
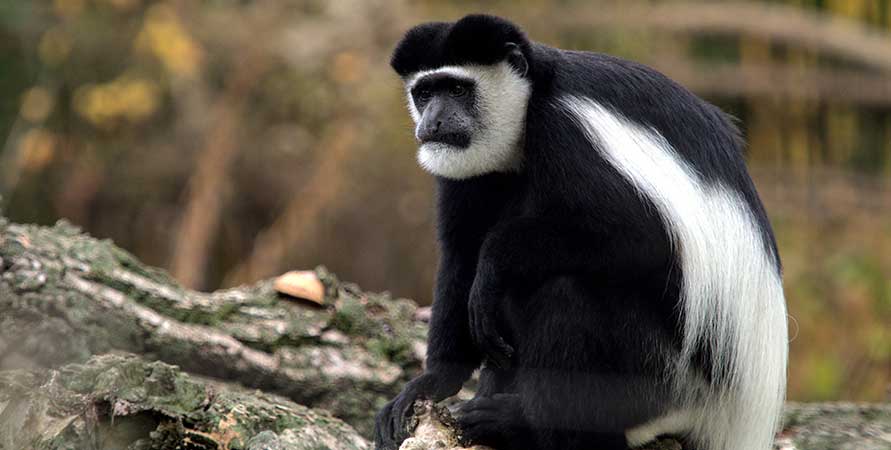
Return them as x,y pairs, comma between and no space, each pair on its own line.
231,140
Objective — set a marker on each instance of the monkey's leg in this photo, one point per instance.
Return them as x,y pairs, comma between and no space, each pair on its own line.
496,421
495,381
584,365
493,417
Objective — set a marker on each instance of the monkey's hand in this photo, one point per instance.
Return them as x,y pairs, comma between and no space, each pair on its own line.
390,423
482,308
494,421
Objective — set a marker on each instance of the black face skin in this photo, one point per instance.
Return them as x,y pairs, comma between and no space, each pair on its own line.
447,107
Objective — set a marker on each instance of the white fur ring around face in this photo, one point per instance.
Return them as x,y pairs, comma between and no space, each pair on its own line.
501,99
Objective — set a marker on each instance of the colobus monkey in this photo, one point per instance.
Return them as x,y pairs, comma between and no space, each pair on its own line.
604,253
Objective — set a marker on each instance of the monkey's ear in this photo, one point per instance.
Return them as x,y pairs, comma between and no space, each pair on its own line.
516,59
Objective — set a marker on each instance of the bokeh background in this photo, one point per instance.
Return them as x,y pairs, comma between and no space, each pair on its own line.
231,140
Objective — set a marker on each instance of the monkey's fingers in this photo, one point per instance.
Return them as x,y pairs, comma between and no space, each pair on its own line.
471,324
383,429
501,356
484,331
497,351
478,403
476,426
399,414
477,328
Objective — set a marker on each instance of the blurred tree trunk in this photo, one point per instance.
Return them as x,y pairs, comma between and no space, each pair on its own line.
66,297
207,186
296,220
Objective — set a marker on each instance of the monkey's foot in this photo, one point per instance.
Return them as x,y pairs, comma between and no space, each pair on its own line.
495,421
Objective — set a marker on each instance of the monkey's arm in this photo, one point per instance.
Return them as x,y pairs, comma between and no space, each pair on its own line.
528,251
451,354
465,213
450,350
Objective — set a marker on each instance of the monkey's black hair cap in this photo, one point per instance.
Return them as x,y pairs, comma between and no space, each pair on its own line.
475,39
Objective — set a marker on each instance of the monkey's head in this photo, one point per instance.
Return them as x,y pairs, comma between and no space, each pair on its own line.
468,85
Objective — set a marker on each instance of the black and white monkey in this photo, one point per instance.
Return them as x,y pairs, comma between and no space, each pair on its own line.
604,253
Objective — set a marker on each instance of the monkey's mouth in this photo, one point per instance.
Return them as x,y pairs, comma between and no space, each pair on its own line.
458,140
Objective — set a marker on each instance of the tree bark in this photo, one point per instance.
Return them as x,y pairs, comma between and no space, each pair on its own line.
65,296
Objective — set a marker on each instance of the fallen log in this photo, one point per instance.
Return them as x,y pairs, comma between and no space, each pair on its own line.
66,297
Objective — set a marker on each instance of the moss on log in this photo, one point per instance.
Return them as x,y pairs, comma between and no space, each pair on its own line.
123,402
836,426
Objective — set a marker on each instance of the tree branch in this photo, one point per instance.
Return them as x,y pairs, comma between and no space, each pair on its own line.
846,38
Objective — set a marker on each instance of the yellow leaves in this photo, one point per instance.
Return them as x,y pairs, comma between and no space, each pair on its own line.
123,5
54,46
37,104
129,98
849,8
36,149
68,8
164,36
825,376
842,131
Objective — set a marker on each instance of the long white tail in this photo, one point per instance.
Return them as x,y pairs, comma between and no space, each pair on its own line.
732,291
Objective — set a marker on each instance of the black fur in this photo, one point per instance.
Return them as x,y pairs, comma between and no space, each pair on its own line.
561,277
475,39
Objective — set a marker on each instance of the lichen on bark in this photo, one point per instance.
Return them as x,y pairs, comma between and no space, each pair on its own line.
124,402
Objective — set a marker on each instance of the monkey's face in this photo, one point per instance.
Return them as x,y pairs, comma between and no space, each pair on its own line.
469,120
446,105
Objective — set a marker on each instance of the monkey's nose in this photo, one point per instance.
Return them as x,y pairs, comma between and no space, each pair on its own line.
429,130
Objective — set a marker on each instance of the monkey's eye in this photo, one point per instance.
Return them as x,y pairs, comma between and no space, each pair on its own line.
456,90
424,95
